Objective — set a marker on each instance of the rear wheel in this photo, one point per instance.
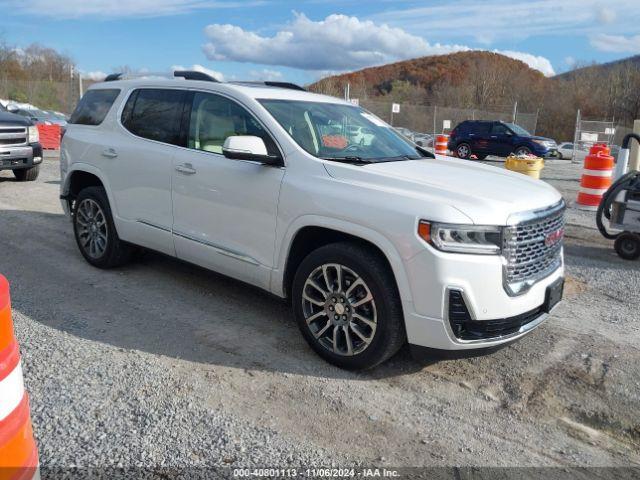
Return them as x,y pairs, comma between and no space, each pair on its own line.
627,246
27,174
463,150
95,231
347,306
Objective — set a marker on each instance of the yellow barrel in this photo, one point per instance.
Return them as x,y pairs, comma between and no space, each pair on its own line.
530,166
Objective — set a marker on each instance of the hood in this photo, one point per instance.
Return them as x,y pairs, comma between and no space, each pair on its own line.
536,137
7,118
486,194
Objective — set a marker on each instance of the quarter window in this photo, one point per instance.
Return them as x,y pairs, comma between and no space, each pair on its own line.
94,106
214,118
155,114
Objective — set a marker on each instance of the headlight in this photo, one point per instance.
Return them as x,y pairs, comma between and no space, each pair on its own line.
481,240
34,136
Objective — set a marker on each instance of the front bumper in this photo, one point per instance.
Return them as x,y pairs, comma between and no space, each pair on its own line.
434,274
25,156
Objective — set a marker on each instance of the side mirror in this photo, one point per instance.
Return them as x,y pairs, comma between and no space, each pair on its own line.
248,147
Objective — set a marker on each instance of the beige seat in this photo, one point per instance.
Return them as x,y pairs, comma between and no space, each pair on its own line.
212,130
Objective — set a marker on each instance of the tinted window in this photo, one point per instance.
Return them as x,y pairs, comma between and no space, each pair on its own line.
500,129
214,118
94,106
155,114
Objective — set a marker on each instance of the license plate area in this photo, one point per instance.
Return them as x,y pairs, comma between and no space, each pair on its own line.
553,294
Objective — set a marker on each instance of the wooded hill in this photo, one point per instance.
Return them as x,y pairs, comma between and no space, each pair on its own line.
491,81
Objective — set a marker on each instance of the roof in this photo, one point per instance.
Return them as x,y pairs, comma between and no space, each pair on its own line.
247,89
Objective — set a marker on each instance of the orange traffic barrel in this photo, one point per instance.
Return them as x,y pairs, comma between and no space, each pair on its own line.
596,178
18,452
441,144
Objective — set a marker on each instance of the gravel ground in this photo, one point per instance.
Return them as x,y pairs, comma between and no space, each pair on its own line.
162,364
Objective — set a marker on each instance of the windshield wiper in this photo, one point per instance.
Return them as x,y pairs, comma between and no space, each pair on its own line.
354,160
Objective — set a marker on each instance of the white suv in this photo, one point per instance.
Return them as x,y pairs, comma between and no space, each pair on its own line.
375,243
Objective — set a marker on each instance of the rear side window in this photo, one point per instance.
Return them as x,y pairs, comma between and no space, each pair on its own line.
94,106
155,114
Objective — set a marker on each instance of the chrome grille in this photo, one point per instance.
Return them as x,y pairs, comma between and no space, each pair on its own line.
528,255
12,136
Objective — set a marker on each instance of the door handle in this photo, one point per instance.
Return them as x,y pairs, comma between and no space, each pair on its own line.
494,136
109,153
186,168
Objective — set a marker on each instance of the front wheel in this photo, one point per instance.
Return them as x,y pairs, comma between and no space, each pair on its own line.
627,246
522,151
347,306
95,231
27,174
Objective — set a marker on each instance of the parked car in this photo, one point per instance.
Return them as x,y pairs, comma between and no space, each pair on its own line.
484,137
404,132
566,151
422,139
20,149
360,135
374,245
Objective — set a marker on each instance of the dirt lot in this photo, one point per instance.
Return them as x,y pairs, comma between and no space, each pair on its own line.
162,363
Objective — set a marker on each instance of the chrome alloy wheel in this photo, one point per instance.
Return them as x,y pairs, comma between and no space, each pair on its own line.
92,228
339,309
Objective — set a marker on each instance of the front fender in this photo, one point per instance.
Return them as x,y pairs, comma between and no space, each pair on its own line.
376,238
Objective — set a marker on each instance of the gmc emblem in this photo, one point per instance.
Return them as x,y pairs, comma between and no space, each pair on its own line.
553,237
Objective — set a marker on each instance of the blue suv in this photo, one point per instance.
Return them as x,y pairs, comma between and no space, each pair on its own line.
485,137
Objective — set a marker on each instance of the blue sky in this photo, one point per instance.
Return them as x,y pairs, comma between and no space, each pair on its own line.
303,40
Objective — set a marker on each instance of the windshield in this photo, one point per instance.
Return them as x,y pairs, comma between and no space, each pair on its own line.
338,132
517,129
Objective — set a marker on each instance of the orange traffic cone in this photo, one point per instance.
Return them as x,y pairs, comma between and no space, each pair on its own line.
18,452
596,177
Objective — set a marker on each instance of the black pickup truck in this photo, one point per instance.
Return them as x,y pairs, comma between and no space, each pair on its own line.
20,148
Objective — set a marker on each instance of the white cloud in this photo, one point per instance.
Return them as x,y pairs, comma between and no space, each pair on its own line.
606,15
536,62
95,75
119,8
337,43
570,61
265,75
516,19
199,68
616,43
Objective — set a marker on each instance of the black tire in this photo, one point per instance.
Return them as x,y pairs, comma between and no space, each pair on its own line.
389,335
627,246
463,150
27,174
522,151
116,252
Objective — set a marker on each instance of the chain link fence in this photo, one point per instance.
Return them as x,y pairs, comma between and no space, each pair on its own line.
436,120
45,95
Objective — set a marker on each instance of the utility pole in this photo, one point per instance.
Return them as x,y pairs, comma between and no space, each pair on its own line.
515,112
575,136
79,86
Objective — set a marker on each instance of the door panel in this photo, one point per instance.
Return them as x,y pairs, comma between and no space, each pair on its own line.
224,210
501,140
139,164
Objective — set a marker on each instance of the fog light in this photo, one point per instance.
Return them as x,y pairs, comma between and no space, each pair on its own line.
37,160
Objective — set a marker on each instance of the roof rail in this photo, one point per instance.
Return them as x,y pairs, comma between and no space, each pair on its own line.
289,85
194,75
113,77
